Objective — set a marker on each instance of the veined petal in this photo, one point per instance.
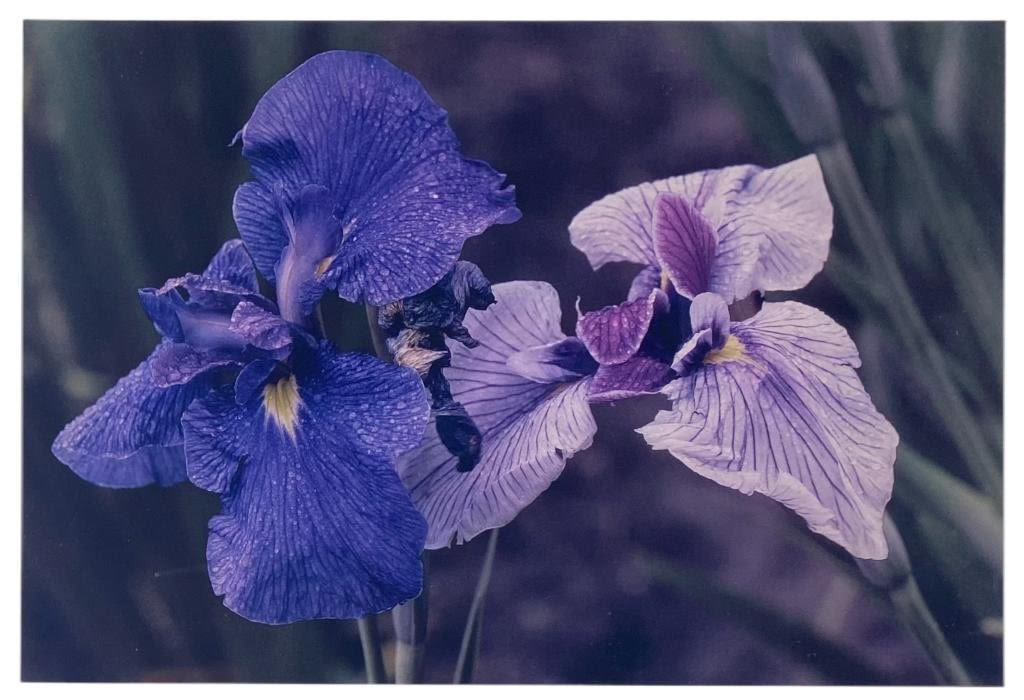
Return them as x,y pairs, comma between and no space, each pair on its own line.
529,428
233,266
132,435
315,521
177,363
613,334
779,217
405,197
634,377
684,244
780,410
260,328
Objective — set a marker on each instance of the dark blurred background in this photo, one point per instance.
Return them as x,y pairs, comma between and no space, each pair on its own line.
630,569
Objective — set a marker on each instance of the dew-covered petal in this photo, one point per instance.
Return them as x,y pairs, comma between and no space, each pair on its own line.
613,334
132,435
781,217
260,328
315,522
779,410
638,375
529,428
232,265
177,363
405,196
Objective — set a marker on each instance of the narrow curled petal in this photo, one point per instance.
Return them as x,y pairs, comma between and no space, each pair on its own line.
563,360
315,521
636,376
710,311
772,225
132,435
613,334
780,411
405,197
529,428
647,280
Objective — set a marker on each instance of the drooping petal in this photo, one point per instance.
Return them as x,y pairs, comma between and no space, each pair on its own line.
405,197
779,410
638,375
613,334
780,217
529,428
315,521
132,435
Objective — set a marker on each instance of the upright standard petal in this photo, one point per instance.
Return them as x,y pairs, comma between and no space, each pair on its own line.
780,217
778,409
529,428
405,198
315,521
132,435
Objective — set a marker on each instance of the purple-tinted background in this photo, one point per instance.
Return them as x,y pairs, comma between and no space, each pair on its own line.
630,569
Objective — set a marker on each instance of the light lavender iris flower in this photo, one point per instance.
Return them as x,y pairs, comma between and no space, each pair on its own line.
770,404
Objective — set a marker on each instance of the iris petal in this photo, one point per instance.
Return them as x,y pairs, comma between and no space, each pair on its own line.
530,428
132,435
772,225
315,521
781,411
405,197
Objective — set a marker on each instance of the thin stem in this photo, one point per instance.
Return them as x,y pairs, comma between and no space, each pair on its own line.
895,576
376,335
410,621
470,649
373,657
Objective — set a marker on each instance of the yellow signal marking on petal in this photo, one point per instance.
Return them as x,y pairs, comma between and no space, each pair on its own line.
732,351
666,283
281,402
322,266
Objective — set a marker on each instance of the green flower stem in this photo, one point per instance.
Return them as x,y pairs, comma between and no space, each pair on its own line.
952,502
895,576
373,657
410,621
470,649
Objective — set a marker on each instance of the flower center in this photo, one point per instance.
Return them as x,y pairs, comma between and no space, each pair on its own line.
732,351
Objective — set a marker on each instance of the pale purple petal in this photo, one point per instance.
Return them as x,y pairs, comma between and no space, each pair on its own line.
559,361
772,226
529,428
779,410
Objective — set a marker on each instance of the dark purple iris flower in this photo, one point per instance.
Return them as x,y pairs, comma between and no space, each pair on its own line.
358,187
299,440
770,404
